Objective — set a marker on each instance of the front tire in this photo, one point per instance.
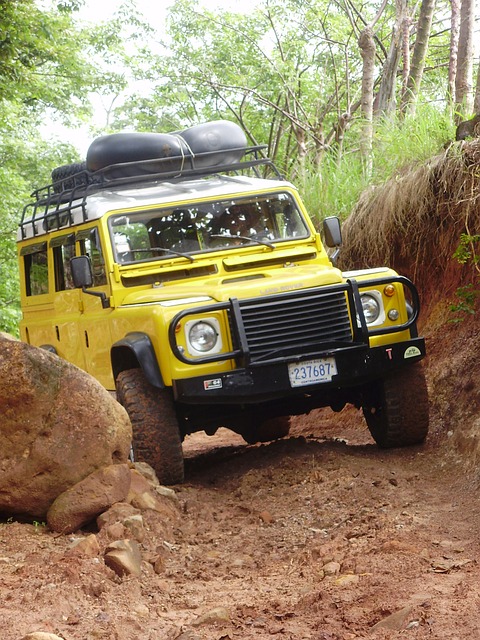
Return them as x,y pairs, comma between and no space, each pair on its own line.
397,412
156,433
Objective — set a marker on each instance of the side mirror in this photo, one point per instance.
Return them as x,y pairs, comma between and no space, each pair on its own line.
82,273
332,233
82,276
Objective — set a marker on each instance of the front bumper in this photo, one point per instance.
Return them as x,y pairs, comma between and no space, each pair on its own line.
356,366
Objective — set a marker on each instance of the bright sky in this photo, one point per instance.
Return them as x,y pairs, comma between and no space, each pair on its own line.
155,11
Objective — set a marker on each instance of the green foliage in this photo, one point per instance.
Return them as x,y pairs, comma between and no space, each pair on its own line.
398,141
334,186
466,254
48,65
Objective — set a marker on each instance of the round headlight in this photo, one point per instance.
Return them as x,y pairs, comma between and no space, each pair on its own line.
202,336
371,308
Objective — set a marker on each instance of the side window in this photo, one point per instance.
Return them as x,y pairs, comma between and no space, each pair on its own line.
90,246
36,269
63,249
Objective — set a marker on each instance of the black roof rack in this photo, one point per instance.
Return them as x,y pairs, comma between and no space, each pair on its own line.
54,205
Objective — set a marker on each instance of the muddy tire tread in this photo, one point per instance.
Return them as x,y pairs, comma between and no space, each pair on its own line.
156,434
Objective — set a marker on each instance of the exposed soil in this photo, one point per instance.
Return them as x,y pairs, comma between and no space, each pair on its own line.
320,535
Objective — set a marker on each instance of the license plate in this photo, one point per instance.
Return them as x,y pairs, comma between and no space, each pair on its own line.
311,371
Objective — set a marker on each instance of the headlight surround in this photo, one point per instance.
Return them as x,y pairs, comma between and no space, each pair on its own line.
371,307
203,336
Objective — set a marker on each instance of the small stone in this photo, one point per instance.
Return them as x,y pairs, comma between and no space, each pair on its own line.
395,621
331,568
118,512
214,616
85,547
347,580
143,495
135,527
266,517
115,531
124,557
141,610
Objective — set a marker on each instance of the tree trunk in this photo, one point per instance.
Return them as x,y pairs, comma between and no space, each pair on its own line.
464,78
367,50
452,64
385,102
476,102
424,26
406,24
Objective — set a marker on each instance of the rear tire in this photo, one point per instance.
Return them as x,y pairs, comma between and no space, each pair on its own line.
397,412
156,433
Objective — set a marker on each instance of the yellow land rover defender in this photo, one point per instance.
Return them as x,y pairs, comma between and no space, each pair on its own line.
168,268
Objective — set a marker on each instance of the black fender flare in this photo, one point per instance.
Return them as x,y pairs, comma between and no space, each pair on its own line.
134,351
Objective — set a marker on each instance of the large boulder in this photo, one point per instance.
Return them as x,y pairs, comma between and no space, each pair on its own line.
58,425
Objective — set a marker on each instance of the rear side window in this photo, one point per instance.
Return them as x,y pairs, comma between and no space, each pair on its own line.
90,246
36,269
63,249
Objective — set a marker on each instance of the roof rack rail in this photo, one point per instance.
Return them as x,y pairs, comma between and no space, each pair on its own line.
54,205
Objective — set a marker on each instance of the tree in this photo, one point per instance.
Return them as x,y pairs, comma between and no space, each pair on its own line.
424,25
48,64
464,72
452,63
386,97
476,102
367,49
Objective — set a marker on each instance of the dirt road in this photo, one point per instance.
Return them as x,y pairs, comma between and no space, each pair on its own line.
319,536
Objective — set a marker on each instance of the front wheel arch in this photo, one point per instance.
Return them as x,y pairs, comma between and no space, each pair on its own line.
133,351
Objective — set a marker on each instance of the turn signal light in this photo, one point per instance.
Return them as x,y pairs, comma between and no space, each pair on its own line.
389,290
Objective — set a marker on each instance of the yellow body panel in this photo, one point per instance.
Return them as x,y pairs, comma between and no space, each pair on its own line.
146,296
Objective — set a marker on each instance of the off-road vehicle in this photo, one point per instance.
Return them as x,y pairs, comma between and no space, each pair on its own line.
172,270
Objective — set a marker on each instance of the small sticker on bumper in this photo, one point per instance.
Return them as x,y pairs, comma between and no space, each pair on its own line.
209,385
411,352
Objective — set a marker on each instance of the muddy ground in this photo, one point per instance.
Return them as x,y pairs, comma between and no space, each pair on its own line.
318,536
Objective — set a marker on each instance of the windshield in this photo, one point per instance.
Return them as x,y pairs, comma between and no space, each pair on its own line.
182,231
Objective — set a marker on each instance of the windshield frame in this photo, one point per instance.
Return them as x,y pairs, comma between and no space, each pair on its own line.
184,231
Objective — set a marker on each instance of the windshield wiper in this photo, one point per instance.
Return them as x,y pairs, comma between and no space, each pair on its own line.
255,240
164,250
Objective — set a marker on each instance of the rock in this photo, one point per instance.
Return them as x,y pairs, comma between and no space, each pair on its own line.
347,580
143,495
88,546
117,513
266,517
212,617
58,426
124,557
114,531
88,498
135,527
395,621
331,568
